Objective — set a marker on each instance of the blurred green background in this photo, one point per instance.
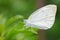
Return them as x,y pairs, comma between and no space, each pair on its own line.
13,7
12,13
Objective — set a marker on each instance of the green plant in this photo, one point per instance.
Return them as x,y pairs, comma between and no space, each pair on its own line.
13,29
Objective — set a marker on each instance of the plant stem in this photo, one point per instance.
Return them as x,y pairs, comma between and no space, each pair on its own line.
41,33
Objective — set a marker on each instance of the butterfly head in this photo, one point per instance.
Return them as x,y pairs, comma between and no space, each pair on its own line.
27,23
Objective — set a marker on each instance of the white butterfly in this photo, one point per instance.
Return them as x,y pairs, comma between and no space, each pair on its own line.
42,18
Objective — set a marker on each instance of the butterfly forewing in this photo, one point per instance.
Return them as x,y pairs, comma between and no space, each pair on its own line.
44,12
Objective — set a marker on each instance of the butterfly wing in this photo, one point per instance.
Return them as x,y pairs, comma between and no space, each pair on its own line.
44,17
